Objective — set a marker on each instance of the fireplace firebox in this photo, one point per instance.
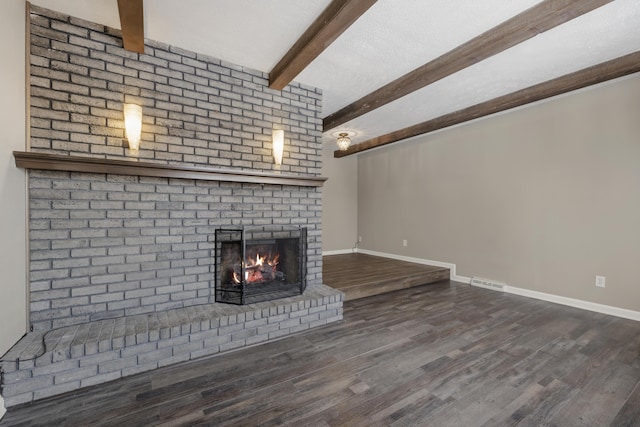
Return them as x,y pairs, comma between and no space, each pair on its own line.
259,264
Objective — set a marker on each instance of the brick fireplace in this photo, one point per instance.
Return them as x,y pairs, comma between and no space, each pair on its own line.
114,244
106,245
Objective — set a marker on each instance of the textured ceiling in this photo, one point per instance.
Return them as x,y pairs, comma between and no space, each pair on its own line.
584,41
392,38
397,36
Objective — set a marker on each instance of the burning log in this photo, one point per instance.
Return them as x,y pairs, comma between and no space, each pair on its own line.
259,272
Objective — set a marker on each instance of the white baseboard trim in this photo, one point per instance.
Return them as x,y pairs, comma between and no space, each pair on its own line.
339,252
3,410
571,302
462,279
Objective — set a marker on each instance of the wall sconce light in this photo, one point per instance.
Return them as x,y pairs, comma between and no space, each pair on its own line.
133,125
278,145
343,141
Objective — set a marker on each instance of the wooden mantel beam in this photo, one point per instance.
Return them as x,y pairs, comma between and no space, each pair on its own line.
132,24
609,70
57,162
538,19
327,27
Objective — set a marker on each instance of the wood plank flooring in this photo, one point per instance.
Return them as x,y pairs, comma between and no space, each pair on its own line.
445,354
362,275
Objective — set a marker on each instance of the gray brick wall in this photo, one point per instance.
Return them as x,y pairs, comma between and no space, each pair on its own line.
110,245
196,109
104,246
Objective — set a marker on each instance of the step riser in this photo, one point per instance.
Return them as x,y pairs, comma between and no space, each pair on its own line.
377,288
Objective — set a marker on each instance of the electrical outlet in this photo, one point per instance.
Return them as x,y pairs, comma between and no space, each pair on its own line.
359,239
601,281
404,243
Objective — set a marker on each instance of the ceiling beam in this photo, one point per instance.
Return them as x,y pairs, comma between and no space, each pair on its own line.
538,19
327,27
615,68
132,24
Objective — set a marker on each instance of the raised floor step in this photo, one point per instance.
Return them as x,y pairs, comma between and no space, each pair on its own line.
360,275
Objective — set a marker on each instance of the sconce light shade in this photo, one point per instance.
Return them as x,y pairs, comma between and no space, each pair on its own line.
133,124
343,141
278,145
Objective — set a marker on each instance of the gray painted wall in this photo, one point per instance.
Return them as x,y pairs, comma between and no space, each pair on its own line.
340,213
12,180
544,198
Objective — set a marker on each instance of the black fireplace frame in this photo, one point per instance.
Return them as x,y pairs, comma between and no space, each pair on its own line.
239,240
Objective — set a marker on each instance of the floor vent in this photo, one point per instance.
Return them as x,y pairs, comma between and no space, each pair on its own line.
488,284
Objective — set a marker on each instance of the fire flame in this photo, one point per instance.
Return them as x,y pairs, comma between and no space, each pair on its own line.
262,269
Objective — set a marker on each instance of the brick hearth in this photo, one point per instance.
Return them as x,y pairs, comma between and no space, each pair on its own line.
44,364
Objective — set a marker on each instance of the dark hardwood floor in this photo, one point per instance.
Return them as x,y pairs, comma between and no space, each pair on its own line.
362,275
445,354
